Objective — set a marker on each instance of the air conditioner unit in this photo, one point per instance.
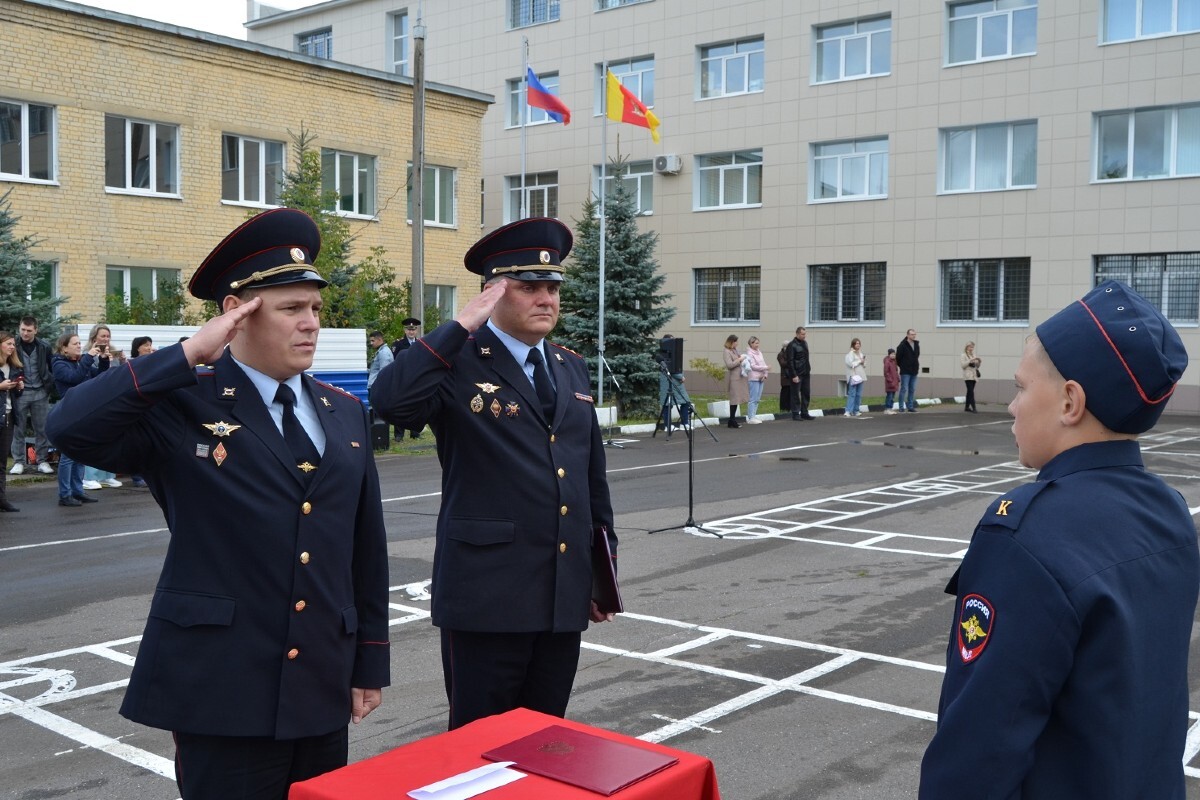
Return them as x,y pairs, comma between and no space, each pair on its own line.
668,164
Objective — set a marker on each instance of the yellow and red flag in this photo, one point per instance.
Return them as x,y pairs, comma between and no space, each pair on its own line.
623,106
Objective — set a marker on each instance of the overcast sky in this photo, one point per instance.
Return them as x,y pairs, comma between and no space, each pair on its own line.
215,16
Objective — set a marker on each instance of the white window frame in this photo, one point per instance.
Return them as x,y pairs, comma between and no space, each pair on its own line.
316,44
725,280
1009,166
638,173
526,13
399,36
1003,276
336,182
30,281
1191,112
23,141
869,277
442,297
518,106
544,184
747,57
1177,27
1000,9
437,177
264,146
156,274
605,5
866,151
704,168
633,73
872,40
154,168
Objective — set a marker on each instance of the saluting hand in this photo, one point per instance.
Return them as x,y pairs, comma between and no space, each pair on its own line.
208,344
476,312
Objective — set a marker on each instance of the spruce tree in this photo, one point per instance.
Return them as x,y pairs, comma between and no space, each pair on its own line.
19,274
634,310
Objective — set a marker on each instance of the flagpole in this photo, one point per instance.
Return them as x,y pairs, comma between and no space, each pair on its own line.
603,236
524,116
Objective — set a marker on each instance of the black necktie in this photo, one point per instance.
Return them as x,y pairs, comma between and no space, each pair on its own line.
302,447
541,382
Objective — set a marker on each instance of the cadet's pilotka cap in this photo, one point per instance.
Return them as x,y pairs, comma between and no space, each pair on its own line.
1121,350
528,250
274,248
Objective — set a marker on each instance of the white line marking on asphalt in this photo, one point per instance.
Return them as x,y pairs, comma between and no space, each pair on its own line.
81,539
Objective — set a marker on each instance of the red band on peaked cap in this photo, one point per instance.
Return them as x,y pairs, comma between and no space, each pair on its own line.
266,241
539,243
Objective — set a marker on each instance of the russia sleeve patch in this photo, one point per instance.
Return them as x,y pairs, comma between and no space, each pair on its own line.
976,619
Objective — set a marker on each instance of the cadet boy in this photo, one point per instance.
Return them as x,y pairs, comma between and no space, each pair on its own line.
523,478
1066,671
268,628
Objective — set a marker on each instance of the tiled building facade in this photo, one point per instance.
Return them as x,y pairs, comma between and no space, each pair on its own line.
132,147
856,166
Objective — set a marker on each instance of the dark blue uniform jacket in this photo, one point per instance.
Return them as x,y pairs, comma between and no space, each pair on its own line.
272,601
1085,584
520,494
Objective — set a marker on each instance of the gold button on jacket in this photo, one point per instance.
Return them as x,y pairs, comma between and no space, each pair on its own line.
292,654
306,508
300,605
562,548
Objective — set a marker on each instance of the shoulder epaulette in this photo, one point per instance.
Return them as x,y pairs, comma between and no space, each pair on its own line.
204,370
569,350
1007,510
337,389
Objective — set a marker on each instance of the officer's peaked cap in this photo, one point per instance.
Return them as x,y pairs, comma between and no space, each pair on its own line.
273,248
528,250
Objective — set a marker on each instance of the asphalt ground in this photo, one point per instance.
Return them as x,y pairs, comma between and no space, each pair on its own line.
802,652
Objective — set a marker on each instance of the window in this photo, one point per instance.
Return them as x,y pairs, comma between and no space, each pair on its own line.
517,104
981,30
541,196
989,157
398,25
846,292
986,290
638,176
251,170
601,5
849,50
124,281
635,74
440,297
727,294
1148,143
1123,20
352,177
855,170
439,206
1170,281
39,282
141,157
26,141
729,180
731,68
531,12
318,44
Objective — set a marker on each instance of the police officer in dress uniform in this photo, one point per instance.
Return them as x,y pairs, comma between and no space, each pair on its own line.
1066,671
523,479
412,331
268,628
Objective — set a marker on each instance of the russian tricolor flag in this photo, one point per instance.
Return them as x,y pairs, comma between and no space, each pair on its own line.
539,97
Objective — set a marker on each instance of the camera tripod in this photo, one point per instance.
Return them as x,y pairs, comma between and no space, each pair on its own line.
686,412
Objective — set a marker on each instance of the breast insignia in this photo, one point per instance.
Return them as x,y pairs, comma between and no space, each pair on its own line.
488,388
221,428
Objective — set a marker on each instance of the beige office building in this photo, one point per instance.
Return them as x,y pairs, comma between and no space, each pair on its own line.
131,147
859,167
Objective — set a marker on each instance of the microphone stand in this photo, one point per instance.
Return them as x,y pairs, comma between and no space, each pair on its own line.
613,418
672,385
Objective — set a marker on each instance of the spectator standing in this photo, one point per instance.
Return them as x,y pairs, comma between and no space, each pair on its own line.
10,390
785,383
72,367
100,339
34,403
383,357
737,384
758,379
908,359
891,380
1067,658
856,379
970,369
799,372
412,331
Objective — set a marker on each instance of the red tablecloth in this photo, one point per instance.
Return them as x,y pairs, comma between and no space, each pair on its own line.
393,774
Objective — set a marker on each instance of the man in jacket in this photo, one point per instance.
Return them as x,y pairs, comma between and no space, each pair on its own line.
268,628
412,331
799,372
908,359
32,406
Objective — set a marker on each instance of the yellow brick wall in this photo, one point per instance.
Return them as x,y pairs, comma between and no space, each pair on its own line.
87,67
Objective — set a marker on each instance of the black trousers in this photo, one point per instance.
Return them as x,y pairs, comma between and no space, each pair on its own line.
801,394
490,673
785,397
970,403
252,767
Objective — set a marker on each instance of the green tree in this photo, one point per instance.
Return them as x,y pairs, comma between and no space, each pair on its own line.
21,276
170,307
634,310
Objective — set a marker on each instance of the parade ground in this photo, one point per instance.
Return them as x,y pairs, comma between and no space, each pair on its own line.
798,640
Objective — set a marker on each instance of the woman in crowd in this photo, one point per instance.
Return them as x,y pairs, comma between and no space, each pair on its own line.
737,383
100,340
970,370
758,379
856,378
11,381
71,367
891,380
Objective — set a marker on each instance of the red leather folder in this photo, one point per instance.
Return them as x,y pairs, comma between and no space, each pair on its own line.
605,590
581,759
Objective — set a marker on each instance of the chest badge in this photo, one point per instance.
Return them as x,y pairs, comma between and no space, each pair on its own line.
495,408
512,409
220,454
488,388
477,403
221,428
974,630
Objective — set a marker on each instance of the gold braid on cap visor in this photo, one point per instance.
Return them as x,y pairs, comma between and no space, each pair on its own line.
527,268
254,277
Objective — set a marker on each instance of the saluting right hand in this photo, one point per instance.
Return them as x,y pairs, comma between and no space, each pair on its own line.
208,344
476,312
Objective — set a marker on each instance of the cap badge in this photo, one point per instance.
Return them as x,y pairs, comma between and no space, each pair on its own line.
222,428
220,454
297,255
544,257
512,409
489,388
975,622
477,404
495,408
